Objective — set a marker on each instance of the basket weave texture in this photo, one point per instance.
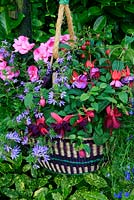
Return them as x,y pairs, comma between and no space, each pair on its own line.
65,158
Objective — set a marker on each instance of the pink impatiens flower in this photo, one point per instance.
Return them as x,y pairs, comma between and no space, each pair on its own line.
42,53
22,45
33,73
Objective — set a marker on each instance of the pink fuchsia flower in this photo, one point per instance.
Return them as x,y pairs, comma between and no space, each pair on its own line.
94,73
33,73
42,53
22,45
62,124
116,76
111,119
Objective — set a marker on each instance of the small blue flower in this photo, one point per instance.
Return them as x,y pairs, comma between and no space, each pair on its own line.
15,152
127,194
127,175
13,136
118,195
40,152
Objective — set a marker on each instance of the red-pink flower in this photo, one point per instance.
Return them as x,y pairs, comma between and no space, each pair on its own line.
111,119
33,73
22,45
62,124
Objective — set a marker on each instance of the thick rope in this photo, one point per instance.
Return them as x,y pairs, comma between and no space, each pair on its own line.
62,8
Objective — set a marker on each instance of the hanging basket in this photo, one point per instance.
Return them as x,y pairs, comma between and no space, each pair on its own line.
66,159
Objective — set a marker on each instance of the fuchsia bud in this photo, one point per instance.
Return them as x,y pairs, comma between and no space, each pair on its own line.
42,102
82,153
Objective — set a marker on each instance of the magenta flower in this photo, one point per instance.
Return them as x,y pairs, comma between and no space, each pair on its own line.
81,81
33,73
94,73
22,45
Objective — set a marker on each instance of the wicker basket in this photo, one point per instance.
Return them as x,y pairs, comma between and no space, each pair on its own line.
65,159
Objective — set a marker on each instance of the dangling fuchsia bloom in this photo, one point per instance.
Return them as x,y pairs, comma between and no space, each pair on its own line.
111,119
94,73
22,45
116,76
62,124
38,128
127,78
79,81
85,118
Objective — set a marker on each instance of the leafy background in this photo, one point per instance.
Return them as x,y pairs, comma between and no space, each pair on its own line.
18,180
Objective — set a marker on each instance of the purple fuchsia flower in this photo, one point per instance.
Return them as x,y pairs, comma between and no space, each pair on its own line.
79,81
94,73
40,152
13,136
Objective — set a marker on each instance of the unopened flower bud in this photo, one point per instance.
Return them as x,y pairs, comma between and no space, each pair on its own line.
82,153
42,102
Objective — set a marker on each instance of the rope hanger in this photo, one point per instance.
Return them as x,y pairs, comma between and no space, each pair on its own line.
63,7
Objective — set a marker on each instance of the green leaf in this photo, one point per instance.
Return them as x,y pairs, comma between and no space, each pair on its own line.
117,65
123,96
110,99
84,97
94,195
103,85
94,10
72,137
86,147
100,23
11,193
40,193
95,106
57,196
95,180
28,100
129,8
5,22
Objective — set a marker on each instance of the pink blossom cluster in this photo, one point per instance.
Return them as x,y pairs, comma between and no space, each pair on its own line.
45,50
22,45
7,72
